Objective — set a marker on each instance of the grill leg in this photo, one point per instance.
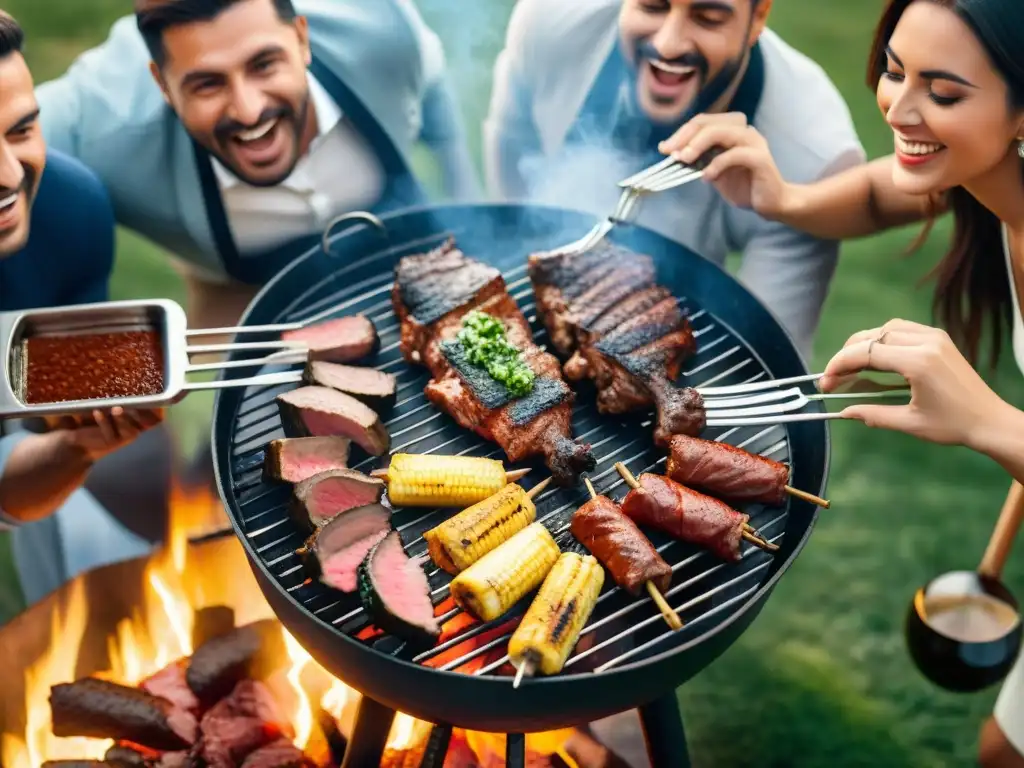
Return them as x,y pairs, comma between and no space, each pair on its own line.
369,734
437,747
515,750
663,733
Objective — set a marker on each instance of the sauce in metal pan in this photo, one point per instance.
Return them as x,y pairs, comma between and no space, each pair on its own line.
93,366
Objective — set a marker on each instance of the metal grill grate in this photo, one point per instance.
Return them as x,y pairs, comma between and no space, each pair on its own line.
623,629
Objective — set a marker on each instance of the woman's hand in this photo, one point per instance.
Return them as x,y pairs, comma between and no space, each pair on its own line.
745,173
950,403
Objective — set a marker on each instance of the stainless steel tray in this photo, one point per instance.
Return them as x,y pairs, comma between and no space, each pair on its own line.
165,317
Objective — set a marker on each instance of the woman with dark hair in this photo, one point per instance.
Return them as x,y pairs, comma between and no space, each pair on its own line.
949,78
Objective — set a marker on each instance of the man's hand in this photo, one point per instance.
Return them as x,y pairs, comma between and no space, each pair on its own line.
98,434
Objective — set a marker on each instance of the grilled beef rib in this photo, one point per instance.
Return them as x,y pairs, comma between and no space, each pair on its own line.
432,294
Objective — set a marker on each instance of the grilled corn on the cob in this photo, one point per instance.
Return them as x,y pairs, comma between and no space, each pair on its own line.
552,625
425,480
498,580
460,541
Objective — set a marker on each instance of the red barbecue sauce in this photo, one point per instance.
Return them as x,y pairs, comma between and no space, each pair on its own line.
94,366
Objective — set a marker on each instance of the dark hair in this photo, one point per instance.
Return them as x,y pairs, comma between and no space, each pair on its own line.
972,288
12,36
154,17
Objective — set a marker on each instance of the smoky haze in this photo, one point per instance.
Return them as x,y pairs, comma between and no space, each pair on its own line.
473,34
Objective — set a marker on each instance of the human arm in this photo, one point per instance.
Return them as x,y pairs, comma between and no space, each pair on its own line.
859,201
38,472
950,403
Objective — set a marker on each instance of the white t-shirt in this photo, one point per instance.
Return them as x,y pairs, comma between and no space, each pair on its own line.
1009,712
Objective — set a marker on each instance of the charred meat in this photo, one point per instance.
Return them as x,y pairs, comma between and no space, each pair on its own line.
686,515
727,471
604,311
434,296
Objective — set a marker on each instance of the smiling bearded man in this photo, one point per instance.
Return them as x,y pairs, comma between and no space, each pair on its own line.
585,90
232,132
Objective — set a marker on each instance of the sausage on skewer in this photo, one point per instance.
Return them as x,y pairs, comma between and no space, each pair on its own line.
731,473
688,515
623,549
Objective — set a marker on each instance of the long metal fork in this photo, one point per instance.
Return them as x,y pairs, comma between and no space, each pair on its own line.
667,174
774,402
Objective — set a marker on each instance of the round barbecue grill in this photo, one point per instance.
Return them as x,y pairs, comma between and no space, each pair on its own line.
627,657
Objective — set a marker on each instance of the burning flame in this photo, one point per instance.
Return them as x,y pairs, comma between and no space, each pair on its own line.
160,633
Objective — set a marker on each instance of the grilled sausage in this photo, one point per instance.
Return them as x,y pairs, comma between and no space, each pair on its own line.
727,471
622,548
687,515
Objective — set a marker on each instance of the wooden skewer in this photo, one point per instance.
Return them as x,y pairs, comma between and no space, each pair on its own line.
670,616
817,500
510,477
527,668
749,533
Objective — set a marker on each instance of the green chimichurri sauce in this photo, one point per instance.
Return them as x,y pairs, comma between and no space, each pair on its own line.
483,339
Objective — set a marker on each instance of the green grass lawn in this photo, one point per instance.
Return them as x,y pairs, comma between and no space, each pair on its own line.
822,678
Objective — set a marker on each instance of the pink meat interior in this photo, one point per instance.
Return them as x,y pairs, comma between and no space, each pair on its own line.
343,330
339,571
350,527
306,466
337,494
402,584
320,423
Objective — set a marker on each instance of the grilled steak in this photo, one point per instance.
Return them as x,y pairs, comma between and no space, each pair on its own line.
605,313
293,459
433,293
368,385
343,340
334,551
320,412
320,497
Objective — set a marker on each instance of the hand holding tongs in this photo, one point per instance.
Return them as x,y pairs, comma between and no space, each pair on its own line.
162,316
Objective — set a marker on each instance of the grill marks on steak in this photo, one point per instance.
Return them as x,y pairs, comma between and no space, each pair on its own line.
604,311
538,423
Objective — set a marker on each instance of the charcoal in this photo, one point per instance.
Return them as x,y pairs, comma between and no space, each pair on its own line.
254,651
103,710
281,754
169,683
240,724
124,756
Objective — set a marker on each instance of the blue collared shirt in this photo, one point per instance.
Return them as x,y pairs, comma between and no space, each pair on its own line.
69,255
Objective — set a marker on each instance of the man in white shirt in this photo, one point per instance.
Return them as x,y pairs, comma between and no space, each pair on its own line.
585,90
232,132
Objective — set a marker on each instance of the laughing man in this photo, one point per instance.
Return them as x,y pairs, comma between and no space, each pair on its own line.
585,90
231,132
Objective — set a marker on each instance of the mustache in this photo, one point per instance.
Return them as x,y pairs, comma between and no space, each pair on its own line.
227,128
646,50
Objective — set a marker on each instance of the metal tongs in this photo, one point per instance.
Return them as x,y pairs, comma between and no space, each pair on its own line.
163,316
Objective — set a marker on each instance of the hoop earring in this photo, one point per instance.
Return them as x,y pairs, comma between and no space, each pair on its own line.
1020,149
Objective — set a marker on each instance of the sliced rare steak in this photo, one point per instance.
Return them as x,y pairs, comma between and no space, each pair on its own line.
396,594
320,412
252,652
319,498
333,553
344,340
293,459
373,387
101,709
